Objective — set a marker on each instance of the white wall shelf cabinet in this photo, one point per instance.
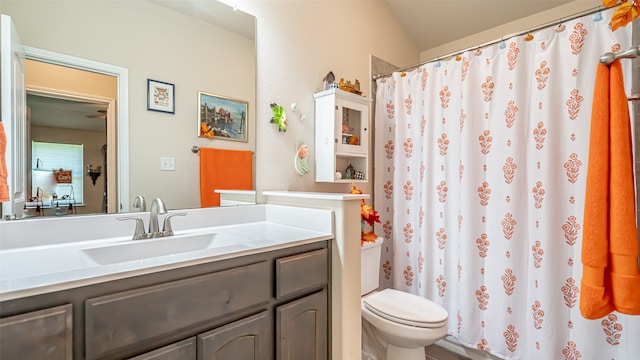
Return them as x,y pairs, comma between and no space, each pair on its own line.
342,136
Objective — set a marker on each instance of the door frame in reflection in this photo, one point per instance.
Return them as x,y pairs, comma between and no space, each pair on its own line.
122,76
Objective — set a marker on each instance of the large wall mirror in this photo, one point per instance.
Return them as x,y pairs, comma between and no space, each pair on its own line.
196,46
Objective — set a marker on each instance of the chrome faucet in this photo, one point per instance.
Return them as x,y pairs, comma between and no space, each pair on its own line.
139,202
157,207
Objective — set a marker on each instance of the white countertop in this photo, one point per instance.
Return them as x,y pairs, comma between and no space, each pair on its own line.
32,270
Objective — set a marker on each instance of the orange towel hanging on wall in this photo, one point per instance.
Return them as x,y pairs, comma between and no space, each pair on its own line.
611,279
225,170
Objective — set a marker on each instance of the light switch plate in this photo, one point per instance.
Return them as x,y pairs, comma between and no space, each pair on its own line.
167,163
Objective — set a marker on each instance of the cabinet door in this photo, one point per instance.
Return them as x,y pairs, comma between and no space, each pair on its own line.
42,334
247,339
353,123
301,328
183,350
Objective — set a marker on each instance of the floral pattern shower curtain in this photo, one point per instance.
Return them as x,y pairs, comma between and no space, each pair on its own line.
480,183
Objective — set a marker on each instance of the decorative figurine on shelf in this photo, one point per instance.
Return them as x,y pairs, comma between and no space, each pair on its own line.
359,175
94,172
349,173
279,117
328,80
348,86
301,162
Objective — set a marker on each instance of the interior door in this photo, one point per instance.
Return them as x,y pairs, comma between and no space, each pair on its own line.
13,104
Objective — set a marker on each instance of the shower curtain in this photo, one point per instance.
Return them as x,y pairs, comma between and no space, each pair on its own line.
480,182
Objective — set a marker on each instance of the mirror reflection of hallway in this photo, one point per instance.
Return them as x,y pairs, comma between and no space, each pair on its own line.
72,106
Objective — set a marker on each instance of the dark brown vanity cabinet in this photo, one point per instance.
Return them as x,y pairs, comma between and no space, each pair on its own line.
270,305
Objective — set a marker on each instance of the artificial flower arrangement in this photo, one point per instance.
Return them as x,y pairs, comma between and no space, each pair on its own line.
625,13
367,216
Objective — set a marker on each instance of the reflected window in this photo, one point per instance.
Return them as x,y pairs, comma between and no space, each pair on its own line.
57,174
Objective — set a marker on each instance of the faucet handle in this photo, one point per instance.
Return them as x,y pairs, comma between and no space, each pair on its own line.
139,232
166,227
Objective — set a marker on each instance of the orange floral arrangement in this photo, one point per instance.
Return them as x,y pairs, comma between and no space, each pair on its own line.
625,13
367,216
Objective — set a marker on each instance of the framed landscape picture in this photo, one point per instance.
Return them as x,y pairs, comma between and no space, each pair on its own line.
160,96
222,117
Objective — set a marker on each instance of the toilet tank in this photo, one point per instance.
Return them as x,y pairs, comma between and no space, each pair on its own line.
370,266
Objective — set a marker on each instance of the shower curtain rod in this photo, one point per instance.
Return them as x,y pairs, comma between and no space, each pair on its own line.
493,42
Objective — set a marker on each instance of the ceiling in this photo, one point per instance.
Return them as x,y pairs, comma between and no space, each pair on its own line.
431,23
60,113
216,12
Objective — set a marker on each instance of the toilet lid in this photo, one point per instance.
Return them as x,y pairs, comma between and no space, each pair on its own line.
406,308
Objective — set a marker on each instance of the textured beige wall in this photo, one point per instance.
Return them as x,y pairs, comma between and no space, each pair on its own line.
298,43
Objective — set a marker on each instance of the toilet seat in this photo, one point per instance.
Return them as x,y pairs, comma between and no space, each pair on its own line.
407,309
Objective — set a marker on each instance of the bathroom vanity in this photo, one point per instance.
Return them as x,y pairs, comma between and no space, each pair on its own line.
259,289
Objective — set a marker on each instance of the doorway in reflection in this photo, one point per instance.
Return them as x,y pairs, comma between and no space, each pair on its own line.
69,110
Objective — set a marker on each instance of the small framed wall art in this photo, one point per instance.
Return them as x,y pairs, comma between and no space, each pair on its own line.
221,117
161,96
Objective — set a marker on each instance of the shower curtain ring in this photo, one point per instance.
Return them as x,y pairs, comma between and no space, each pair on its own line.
529,36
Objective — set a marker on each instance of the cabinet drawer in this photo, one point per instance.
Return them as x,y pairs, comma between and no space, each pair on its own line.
120,320
42,334
297,273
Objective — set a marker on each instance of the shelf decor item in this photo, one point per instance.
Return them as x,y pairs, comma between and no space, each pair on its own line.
279,117
63,176
94,172
160,96
350,87
301,162
222,117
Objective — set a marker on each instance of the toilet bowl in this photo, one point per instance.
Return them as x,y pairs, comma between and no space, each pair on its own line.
396,325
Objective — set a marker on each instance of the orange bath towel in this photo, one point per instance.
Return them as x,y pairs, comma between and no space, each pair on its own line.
4,174
611,279
226,170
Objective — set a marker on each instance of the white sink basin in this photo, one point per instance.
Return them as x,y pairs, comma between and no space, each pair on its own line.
173,245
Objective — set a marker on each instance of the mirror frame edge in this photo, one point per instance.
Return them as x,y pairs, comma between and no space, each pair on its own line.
122,76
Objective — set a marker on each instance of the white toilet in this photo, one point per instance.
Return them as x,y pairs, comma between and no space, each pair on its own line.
396,325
